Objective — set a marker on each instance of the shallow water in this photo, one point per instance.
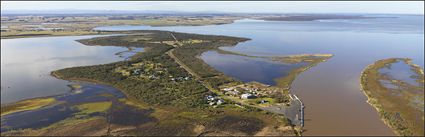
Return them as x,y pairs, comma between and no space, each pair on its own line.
412,91
65,107
26,64
335,105
401,71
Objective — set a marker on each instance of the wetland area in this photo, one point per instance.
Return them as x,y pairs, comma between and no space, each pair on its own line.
242,51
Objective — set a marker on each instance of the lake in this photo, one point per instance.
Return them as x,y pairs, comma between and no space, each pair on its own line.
26,64
335,105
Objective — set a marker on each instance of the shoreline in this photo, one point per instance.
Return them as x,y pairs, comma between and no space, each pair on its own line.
91,81
373,102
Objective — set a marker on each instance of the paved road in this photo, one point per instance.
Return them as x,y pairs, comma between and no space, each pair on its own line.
292,112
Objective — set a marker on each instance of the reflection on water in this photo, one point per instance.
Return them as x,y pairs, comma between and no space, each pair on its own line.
26,64
51,114
402,81
249,69
67,108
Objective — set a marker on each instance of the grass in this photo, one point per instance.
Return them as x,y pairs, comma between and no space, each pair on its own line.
75,86
89,108
270,101
394,110
133,102
69,127
26,105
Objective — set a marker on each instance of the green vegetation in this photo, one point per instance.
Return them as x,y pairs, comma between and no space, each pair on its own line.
167,84
69,127
161,90
156,79
89,108
269,101
30,104
396,106
189,53
149,75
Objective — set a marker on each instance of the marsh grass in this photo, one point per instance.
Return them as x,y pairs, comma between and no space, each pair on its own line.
26,105
394,105
95,107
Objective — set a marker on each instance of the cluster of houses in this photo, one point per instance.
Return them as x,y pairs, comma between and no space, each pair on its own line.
177,79
241,92
251,90
149,70
214,100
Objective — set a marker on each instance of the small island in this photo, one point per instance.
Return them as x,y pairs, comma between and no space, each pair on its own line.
395,87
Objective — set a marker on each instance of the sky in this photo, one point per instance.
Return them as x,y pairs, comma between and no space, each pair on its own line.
393,7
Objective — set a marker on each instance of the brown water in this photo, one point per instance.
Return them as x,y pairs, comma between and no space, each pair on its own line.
335,103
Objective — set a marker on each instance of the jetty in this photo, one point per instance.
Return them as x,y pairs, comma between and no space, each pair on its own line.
301,110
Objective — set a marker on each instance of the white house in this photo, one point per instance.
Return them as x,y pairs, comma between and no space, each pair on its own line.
247,96
220,101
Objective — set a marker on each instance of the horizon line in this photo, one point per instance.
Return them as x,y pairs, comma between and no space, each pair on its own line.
174,12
